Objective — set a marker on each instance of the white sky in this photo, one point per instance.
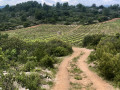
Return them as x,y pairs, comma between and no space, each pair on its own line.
73,2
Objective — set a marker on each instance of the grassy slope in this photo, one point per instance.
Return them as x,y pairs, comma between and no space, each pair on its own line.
72,33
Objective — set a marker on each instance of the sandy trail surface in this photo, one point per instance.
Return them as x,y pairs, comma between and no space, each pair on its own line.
62,81
98,83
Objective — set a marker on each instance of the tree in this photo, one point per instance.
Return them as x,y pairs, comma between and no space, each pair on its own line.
6,8
81,8
3,60
106,12
26,24
101,7
46,7
39,14
23,18
94,6
58,5
65,6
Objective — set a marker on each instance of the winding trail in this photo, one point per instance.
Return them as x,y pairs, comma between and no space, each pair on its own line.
62,77
62,81
98,83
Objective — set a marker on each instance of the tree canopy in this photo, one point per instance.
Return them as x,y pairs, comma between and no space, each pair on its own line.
33,13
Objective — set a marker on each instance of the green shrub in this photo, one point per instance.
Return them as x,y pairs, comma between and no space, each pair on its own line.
108,58
13,43
31,82
47,61
92,40
26,24
3,36
3,60
39,53
92,57
22,57
11,54
60,51
7,82
55,45
30,65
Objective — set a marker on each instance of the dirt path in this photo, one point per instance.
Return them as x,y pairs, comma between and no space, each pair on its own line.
62,81
112,20
98,83
62,77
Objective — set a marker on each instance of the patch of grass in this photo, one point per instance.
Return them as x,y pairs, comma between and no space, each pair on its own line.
76,70
75,86
37,70
82,53
72,64
78,77
88,87
50,83
76,58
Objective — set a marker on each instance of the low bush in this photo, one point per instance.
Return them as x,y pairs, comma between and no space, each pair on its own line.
31,82
7,82
58,48
19,51
3,60
47,61
107,57
92,40
60,51
30,65
26,24
13,43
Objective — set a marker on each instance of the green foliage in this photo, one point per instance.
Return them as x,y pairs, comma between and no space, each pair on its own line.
22,57
32,13
92,40
3,36
22,52
11,54
39,51
3,60
47,61
60,51
23,18
117,35
26,24
7,82
107,58
31,82
58,48
102,18
13,43
28,55
30,65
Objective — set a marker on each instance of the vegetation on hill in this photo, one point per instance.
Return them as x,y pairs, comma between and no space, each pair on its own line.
17,56
32,13
73,34
26,53
106,57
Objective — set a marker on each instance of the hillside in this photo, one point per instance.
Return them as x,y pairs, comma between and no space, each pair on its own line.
33,13
59,47
73,34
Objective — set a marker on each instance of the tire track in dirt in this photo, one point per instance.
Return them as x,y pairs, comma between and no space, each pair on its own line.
98,83
62,77
62,81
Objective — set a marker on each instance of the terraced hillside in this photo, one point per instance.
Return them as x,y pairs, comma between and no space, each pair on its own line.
68,33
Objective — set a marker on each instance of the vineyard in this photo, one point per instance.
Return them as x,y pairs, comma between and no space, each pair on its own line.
68,33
